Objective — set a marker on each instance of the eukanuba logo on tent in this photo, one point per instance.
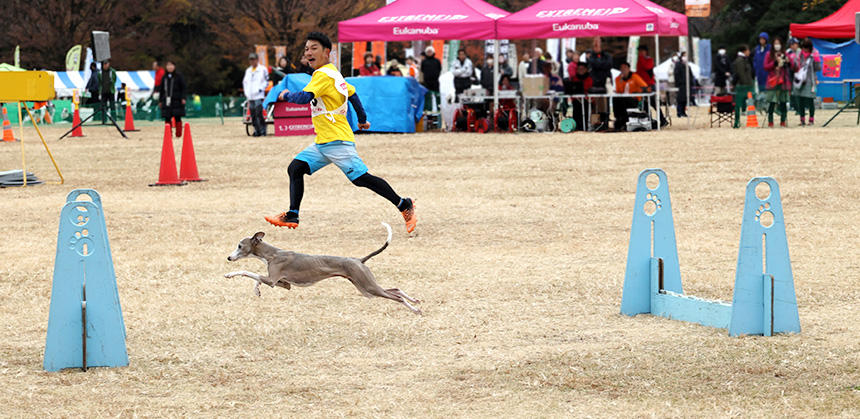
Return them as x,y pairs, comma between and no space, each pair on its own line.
415,31
581,12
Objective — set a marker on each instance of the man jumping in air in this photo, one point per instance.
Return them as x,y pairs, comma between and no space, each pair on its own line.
328,93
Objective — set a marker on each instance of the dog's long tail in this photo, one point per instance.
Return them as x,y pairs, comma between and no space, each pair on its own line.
388,240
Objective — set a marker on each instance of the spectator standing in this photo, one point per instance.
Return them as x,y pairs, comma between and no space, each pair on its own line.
487,75
369,68
536,61
761,51
600,64
778,82
93,84
791,54
645,71
580,83
171,97
523,68
504,67
254,84
683,73
107,82
744,81
412,68
431,68
159,74
627,82
570,60
280,71
722,71
463,72
601,67
806,63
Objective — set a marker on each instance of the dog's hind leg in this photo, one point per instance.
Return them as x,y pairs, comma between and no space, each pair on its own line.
363,280
397,291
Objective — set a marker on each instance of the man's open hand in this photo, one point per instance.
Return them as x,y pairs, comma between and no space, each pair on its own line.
283,95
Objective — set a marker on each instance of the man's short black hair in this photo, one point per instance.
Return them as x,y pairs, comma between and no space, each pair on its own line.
743,48
321,38
624,63
642,48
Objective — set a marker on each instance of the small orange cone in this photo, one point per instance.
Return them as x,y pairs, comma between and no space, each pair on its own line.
76,121
752,119
167,173
8,134
188,163
129,119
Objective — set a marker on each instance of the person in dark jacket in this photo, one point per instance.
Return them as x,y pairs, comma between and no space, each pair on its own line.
172,96
579,84
761,51
681,72
600,64
743,81
431,67
487,75
722,71
93,84
107,82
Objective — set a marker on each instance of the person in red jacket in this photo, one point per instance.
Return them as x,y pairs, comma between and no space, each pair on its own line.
645,71
579,84
778,82
159,74
369,68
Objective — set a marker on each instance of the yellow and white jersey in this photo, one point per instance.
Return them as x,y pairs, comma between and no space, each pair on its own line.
328,108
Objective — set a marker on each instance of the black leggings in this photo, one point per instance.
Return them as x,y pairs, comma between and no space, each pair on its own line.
298,169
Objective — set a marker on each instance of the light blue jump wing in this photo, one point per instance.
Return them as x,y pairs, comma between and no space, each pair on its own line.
764,300
83,271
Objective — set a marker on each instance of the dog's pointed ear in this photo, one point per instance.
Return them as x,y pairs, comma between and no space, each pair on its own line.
258,237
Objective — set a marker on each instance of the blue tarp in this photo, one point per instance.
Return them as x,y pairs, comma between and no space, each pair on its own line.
392,104
850,67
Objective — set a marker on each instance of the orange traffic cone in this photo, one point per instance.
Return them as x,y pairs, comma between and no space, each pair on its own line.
129,119
167,174
8,135
752,119
188,163
76,121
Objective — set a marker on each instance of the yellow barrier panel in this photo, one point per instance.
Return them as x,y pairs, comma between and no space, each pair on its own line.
32,86
28,86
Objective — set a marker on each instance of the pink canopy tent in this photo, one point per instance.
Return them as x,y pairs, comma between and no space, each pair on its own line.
838,25
422,20
581,18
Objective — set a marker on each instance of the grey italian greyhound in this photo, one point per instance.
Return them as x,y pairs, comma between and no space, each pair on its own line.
290,268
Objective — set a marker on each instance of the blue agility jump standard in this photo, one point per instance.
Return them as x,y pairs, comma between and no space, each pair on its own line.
85,325
764,301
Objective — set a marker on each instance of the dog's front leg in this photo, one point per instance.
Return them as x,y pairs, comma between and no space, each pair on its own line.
257,277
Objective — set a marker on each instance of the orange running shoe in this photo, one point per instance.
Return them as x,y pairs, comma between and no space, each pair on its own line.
285,219
409,216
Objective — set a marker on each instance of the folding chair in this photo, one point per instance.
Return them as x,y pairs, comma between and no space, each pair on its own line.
722,109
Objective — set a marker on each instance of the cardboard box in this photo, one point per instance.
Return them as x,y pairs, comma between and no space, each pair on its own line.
534,84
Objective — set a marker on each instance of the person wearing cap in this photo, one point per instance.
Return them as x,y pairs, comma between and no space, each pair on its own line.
761,51
431,67
254,84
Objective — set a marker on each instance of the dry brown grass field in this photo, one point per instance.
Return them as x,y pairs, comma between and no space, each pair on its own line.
518,259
